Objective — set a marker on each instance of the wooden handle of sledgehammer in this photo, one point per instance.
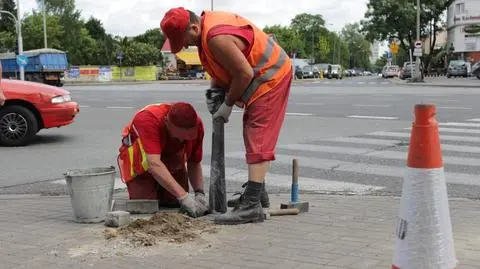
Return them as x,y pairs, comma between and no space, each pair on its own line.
283,212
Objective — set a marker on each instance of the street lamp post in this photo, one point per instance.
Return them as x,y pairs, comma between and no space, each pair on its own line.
18,28
20,41
45,23
417,60
211,5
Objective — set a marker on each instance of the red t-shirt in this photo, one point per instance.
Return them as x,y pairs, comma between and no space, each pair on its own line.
156,139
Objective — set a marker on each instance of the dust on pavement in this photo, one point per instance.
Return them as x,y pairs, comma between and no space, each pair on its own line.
162,226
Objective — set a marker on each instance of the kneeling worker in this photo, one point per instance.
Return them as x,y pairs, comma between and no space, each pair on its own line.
156,145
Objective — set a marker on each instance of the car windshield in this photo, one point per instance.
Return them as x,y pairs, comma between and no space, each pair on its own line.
457,63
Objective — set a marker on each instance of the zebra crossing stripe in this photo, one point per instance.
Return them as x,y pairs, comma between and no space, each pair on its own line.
460,124
442,137
306,184
361,168
386,142
455,130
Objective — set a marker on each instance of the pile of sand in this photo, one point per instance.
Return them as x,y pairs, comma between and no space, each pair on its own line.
162,226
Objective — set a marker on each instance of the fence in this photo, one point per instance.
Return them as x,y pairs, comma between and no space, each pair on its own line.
111,73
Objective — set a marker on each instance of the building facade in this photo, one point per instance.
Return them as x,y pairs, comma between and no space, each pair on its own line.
463,24
375,50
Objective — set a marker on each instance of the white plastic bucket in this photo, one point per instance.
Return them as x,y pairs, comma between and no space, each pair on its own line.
91,193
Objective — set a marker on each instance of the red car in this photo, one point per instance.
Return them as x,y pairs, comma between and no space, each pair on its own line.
31,107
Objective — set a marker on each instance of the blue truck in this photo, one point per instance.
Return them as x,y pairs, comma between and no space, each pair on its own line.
44,66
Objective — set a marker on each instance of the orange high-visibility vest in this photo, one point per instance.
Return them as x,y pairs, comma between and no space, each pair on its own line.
132,159
269,61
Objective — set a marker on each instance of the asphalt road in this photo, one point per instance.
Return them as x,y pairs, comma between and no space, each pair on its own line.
349,135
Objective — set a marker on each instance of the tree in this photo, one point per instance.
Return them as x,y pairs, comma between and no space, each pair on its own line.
389,19
309,28
288,39
95,28
152,36
7,24
7,42
32,31
358,46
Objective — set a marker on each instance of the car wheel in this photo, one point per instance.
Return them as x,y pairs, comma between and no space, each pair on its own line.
18,126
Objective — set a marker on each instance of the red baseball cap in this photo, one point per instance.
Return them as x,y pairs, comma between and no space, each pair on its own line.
173,25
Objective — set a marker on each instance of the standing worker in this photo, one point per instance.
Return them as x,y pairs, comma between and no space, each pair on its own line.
156,145
2,97
255,73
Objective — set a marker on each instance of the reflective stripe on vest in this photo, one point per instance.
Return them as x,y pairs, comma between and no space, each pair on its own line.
270,72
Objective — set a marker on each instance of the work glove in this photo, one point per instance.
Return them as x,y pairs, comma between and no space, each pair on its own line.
189,205
223,112
202,202
215,98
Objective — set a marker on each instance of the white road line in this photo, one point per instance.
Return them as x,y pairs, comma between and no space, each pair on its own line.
120,107
363,105
288,113
361,168
298,114
442,137
455,130
83,106
308,184
461,124
310,104
473,120
368,141
454,107
326,149
372,117
398,155
386,142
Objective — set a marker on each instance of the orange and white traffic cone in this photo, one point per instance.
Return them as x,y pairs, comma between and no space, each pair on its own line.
424,237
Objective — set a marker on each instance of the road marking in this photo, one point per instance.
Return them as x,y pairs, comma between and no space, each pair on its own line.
310,104
83,106
397,155
287,114
357,140
298,114
362,105
473,120
372,117
327,149
385,142
462,124
454,130
308,184
442,137
454,107
361,168
119,107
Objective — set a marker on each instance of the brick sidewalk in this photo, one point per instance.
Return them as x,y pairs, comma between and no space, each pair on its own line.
342,232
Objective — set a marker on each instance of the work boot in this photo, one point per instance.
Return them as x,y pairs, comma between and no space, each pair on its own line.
247,210
264,200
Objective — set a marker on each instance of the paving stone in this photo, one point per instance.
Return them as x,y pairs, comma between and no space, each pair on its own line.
117,218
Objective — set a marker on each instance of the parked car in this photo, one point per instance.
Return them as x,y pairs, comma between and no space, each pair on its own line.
337,72
31,107
457,68
390,71
476,70
309,71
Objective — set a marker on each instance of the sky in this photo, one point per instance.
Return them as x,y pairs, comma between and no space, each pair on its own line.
117,18
133,17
